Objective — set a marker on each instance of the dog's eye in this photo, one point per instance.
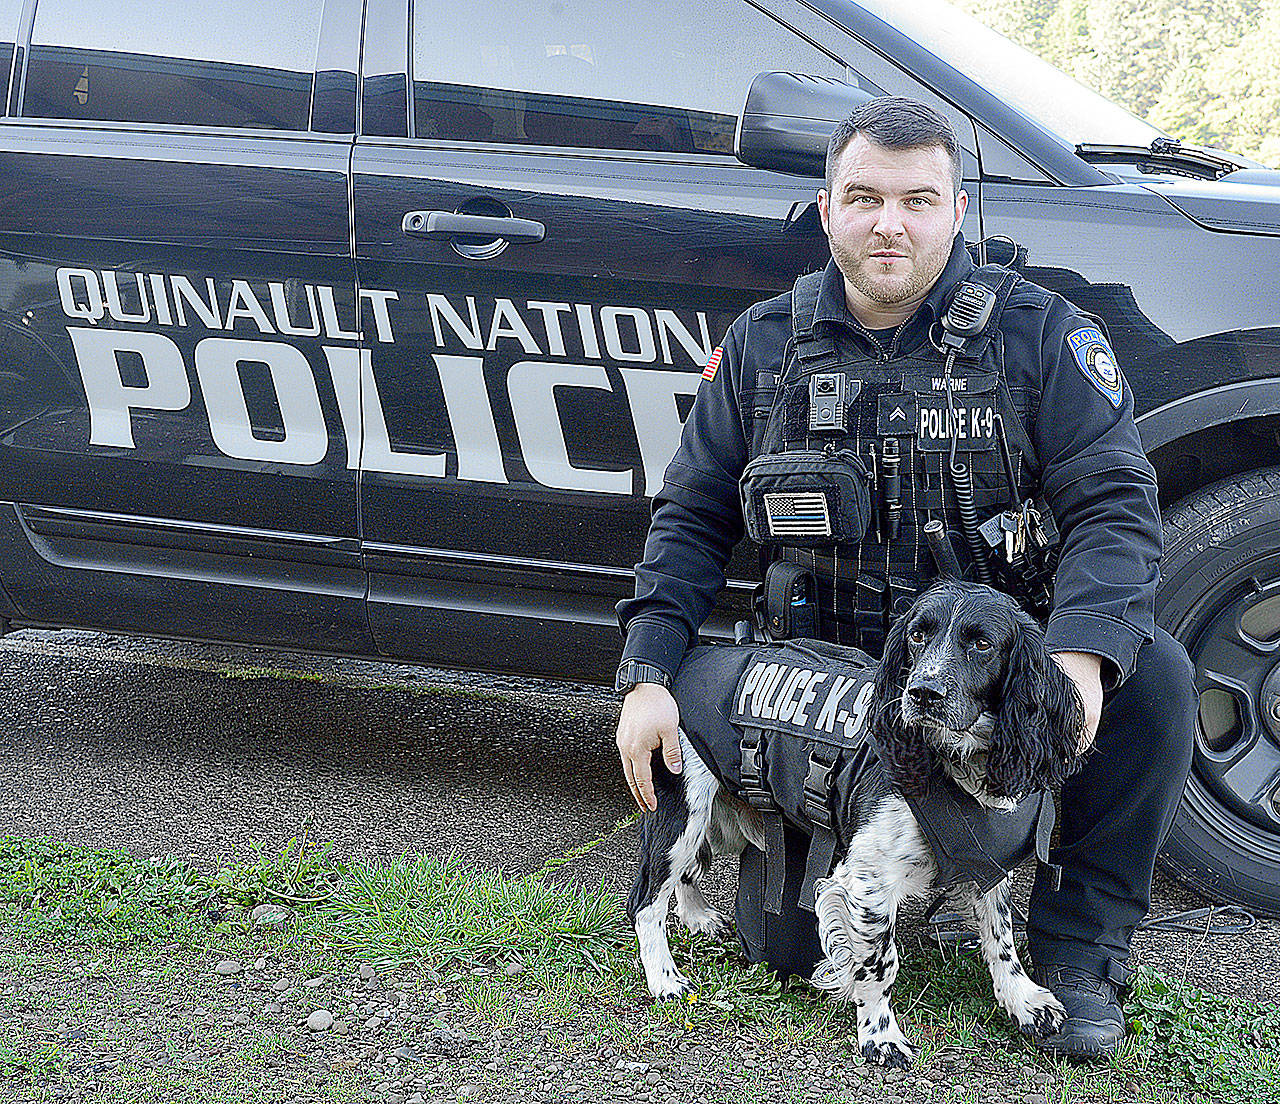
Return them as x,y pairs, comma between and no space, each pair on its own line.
917,636
982,644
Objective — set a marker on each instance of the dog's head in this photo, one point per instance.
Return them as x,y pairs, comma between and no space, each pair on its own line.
966,686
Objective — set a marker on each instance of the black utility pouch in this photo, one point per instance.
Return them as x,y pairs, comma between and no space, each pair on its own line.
806,498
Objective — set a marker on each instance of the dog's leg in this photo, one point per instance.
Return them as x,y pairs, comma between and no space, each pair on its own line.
693,909
1033,1008
856,910
672,841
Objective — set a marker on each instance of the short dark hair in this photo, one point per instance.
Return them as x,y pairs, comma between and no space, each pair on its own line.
896,123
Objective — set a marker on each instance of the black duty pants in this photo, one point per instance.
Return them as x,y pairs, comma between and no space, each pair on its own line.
1115,813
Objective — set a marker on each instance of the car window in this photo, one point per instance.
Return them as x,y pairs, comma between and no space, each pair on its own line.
172,61
610,74
10,10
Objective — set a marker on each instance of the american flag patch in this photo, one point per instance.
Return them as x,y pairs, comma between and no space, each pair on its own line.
803,514
709,372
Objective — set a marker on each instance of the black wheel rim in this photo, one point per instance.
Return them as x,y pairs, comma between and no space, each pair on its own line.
1237,658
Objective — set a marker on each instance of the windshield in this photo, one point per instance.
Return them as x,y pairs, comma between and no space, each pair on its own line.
1022,80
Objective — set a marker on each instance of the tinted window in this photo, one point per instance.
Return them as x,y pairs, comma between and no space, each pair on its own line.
9,12
613,74
245,64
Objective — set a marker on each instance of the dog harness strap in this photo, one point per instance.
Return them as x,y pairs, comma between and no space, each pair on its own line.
775,861
1044,829
818,781
759,798
822,856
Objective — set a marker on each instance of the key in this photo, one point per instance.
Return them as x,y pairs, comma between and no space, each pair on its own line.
1011,524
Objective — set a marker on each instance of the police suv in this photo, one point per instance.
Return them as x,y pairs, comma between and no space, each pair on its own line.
369,326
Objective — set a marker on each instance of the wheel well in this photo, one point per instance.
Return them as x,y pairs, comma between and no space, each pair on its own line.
1188,463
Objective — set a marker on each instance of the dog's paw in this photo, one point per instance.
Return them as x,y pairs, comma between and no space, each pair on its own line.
669,986
1041,1014
712,922
892,1054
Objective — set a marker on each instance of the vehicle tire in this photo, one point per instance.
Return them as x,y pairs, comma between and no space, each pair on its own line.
1220,596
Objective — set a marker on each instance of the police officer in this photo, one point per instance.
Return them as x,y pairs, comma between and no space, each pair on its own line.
1033,410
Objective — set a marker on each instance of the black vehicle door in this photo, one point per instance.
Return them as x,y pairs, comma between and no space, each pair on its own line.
176,278
537,369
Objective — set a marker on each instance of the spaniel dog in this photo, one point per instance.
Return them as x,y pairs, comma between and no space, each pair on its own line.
965,687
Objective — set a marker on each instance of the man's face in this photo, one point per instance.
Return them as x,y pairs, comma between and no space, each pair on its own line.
891,217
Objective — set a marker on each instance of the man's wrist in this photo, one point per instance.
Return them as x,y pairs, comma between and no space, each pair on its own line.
634,672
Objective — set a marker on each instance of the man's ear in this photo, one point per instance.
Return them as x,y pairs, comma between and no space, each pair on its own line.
962,205
823,214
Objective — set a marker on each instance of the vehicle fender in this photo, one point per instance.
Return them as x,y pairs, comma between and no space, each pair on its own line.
1214,406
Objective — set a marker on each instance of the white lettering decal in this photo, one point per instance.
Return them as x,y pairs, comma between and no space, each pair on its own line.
89,306
748,684
284,319
110,399
381,317
183,291
806,699
163,314
652,393
669,324
797,683
329,312
532,385
360,405
244,304
858,711
587,328
646,350
116,308
827,714
508,323
467,401
218,360
551,313
440,307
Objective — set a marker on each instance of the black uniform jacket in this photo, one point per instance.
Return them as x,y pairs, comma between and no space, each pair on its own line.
1093,474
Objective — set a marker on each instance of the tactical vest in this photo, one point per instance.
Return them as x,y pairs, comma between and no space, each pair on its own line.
785,727
907,439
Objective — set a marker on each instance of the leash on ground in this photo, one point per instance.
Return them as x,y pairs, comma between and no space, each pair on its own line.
1216,920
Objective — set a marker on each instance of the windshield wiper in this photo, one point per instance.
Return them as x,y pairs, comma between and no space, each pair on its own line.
1164,155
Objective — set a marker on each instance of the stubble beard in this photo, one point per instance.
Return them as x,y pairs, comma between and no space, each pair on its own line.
902,289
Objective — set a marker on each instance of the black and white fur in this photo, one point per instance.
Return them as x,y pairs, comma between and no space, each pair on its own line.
965,687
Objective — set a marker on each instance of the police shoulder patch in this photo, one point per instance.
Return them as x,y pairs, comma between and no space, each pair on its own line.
1097,362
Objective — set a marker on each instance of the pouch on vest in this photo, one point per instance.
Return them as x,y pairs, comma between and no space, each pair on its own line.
806,498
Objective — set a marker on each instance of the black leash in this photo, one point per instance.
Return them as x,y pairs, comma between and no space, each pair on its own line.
1216,920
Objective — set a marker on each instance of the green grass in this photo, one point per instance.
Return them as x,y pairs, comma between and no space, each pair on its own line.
525,950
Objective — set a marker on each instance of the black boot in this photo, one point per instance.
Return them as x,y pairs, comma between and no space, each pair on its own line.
1094,1027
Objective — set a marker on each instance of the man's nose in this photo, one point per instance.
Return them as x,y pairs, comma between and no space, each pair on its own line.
926,692
889,224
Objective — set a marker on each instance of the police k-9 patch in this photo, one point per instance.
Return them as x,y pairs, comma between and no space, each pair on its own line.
1097,362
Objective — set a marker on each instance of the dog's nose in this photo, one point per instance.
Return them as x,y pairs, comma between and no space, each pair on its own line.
927,692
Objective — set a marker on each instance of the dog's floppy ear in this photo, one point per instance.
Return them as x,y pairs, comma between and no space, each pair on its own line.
1036,741
909,761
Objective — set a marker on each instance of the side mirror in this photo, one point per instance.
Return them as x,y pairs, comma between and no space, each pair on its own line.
788,120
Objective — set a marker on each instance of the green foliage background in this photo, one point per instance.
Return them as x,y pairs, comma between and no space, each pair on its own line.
1206,71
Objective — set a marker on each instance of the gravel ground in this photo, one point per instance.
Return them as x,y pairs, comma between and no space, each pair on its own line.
171,748
176,1030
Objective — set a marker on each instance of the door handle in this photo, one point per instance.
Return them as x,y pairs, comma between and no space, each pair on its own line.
473,229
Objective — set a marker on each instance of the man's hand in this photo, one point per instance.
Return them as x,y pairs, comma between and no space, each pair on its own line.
1085,670
649,717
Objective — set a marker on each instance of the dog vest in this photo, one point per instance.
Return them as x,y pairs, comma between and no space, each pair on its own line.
786,728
